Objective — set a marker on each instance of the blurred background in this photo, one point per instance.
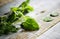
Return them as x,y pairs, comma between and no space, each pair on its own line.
39,5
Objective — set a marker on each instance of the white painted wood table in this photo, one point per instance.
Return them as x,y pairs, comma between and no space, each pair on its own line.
52,33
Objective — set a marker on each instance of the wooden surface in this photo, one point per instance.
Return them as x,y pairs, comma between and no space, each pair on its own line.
47,6
53,33
2,2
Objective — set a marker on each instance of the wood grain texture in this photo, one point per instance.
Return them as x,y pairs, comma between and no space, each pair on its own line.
53,33
44,26
2,2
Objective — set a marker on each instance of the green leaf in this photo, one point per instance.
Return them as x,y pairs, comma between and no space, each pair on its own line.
47,19
6,28
24,4
11,17
30,24
28,9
